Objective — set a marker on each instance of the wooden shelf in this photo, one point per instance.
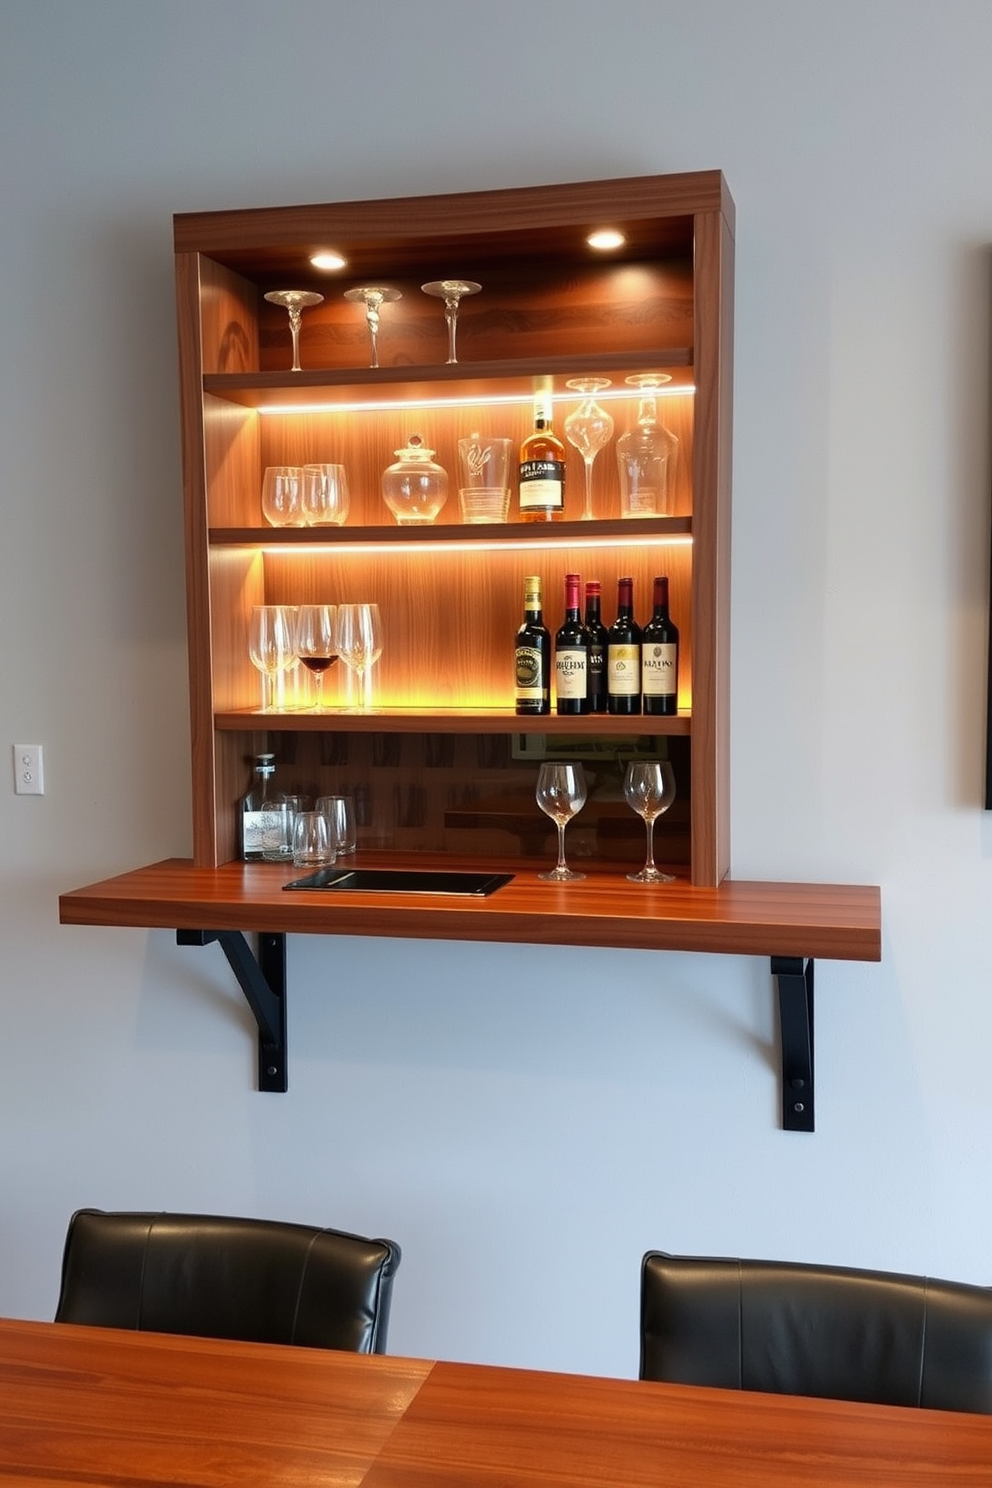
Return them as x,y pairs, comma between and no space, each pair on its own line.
455,721
515,378
630,531
738,918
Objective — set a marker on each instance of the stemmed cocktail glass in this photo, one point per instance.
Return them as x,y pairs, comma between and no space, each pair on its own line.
373,297
295,302
561,792
588,428
649,789
452,292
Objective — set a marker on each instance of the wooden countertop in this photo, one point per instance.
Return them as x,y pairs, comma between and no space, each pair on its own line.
842,922
96,1406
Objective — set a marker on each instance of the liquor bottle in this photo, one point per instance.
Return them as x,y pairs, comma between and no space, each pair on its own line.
572,654
597,648
542,469
533,654
660,657
250,811
623,655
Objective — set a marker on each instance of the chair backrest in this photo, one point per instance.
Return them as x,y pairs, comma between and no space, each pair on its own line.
794,1329
259,1280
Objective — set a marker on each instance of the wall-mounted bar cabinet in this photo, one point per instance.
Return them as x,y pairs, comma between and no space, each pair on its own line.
442,769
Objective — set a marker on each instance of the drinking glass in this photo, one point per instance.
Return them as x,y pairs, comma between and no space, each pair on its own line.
271,645
561,792
588,428
282,503
312,843
340,812
324,495
451,291
373,297
317,644
360,645
649,789
295,302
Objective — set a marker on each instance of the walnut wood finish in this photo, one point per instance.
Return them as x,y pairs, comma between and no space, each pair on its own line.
765,919
95,1406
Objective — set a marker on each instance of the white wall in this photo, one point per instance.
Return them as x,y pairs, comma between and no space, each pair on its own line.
525,1121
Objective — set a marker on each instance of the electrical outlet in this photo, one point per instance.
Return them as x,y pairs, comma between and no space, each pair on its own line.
29,778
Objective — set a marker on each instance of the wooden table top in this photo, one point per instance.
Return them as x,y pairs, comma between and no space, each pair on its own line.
98,1407
841,921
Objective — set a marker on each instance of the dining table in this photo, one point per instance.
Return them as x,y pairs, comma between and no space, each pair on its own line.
106,1408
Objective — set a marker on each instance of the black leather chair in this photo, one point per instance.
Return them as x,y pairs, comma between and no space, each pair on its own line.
795,1329
213,1277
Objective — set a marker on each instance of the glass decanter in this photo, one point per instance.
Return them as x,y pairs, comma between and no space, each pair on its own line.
646,454
415,488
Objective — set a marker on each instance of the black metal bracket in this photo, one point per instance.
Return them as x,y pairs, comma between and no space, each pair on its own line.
263,981
795,1017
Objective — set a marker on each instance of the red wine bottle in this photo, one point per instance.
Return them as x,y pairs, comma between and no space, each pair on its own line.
660,657
597,648
533,654
623,655
572,654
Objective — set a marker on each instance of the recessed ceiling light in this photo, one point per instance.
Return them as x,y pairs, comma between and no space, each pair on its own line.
327,259
606,238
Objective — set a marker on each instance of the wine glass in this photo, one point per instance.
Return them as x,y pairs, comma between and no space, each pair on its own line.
373,297
316,644
561,792
451,291
649,789
271,645
324,495
646,454
588,428
295,301
360,645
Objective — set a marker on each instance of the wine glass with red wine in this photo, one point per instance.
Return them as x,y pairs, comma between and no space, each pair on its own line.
317,644
561,792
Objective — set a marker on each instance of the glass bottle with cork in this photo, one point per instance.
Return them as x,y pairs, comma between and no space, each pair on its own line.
572,654
660,657
533,654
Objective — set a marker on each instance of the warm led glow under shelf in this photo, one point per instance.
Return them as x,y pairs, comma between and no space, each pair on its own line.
498,545
495,400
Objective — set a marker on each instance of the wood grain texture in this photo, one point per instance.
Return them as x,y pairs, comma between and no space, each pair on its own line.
96,1406
471,1425
743,918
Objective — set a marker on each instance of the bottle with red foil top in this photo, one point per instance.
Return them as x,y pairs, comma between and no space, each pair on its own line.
623,655
572,654
597,647
660,657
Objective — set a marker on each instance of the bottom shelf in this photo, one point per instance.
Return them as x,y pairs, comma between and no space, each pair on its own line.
832,921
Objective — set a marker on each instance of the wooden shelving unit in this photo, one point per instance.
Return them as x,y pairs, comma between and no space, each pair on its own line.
442,769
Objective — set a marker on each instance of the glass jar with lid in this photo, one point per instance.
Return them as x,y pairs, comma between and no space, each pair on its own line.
415,488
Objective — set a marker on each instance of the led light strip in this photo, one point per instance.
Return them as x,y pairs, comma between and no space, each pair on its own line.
517,545
284,410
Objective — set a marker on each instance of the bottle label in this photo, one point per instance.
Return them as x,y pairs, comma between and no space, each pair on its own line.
659,669
542,485
623,670
570,673
251,834
531,683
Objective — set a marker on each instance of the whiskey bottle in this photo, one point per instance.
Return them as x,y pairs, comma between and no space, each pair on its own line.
542,469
